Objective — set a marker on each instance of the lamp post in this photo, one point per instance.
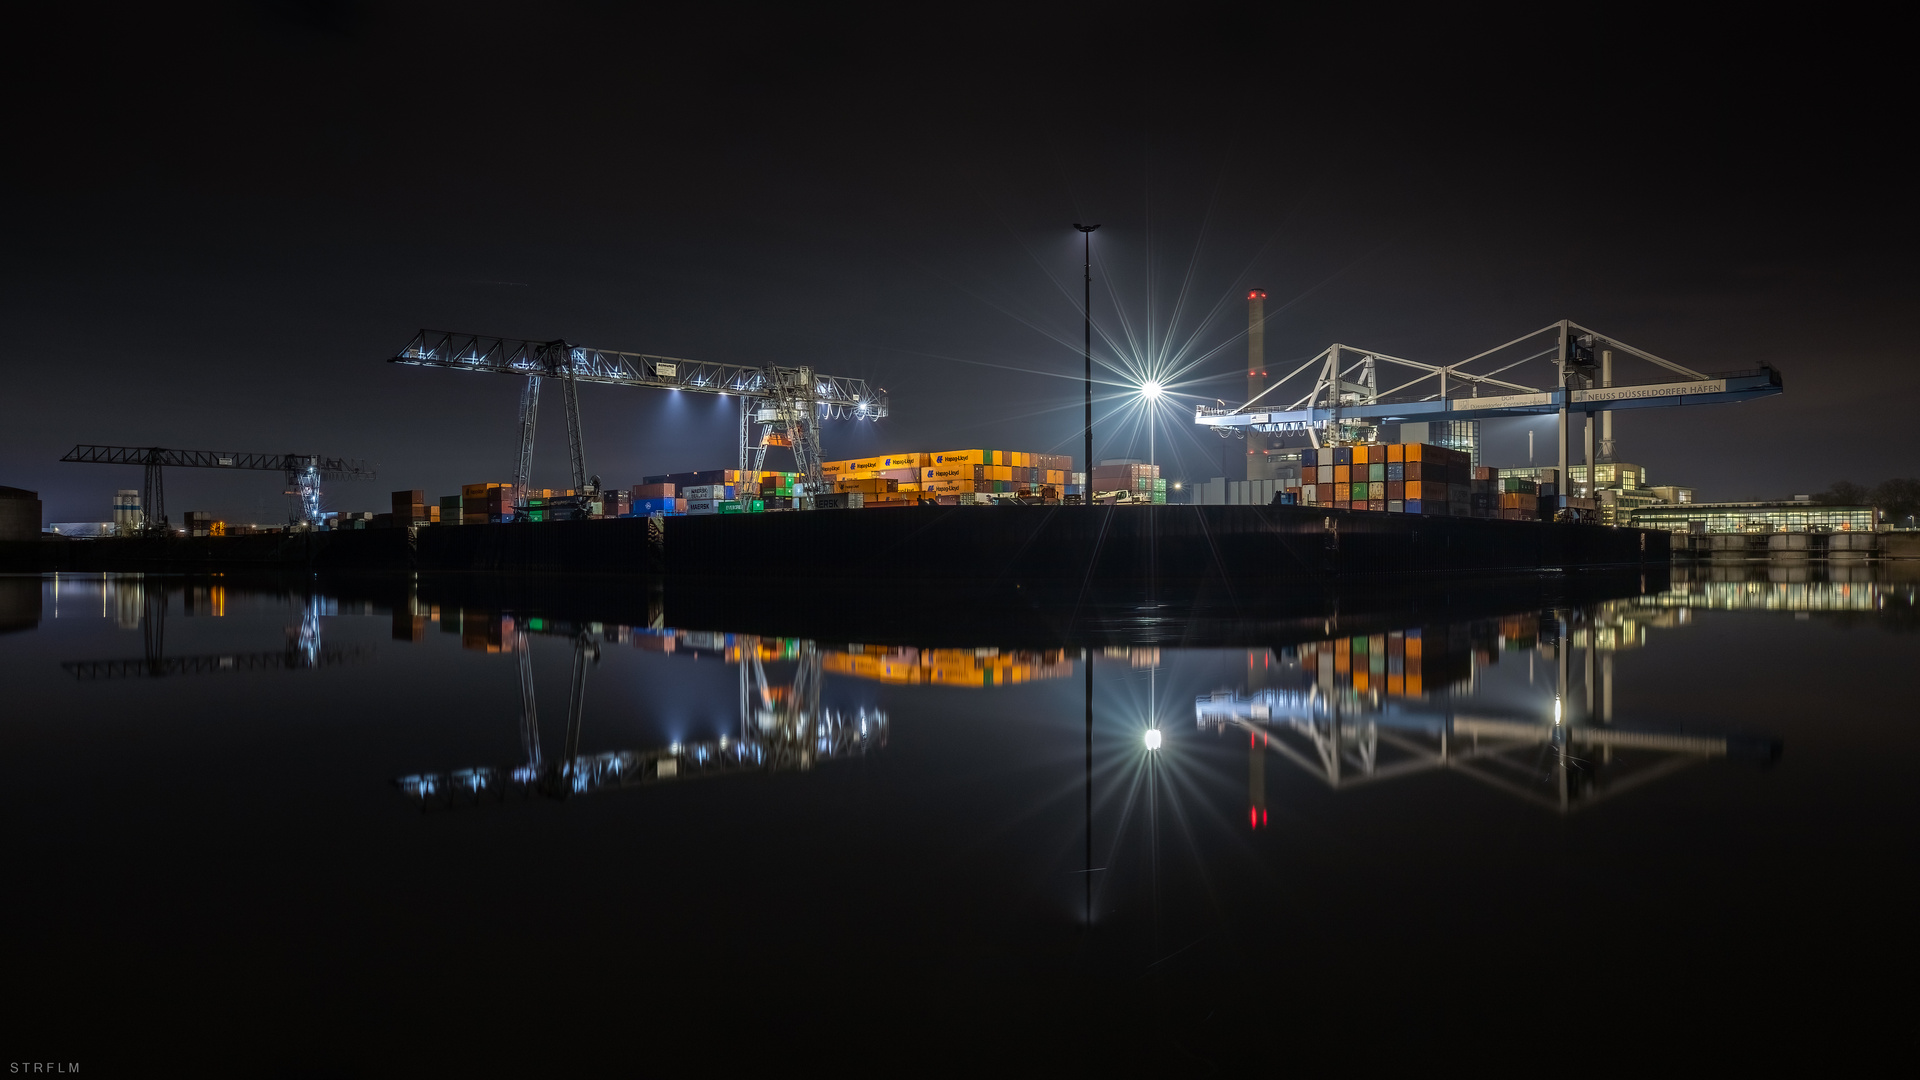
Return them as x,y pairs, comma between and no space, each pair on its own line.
1086,240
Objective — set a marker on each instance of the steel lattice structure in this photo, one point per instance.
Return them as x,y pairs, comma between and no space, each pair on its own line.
304,472
1347,389
787,402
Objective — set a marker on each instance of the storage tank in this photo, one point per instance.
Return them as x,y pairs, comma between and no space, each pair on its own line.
127,515
19,514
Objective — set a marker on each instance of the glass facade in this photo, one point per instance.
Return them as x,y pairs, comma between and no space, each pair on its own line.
1756,517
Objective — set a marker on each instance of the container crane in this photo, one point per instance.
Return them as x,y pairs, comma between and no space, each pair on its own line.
303,471
1347,400
787,403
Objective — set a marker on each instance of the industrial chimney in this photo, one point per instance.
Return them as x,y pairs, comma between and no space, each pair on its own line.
1256,343
1258,465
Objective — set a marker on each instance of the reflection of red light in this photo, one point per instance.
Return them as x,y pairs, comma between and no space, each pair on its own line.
1263,817
1253,818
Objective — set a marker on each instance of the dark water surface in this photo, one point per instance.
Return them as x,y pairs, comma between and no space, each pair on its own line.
358,828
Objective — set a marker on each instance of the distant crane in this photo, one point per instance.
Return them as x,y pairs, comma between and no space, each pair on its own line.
787,402
303,471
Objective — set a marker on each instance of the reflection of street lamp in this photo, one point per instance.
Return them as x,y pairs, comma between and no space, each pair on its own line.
1086,243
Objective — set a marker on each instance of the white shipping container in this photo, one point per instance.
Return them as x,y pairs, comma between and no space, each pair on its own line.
704,491
703,506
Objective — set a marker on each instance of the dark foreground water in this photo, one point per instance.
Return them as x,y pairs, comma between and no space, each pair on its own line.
350,829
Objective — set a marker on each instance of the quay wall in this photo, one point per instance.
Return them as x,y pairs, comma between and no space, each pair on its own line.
1056,546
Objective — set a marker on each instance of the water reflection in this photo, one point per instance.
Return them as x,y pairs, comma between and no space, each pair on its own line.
997,805
1522,703
134,601
1360,709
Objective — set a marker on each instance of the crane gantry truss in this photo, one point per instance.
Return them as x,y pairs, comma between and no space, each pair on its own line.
303,472
787,402
1347,388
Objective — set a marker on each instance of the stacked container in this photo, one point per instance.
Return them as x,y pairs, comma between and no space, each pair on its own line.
410,507
1396,478
1140,482
481,504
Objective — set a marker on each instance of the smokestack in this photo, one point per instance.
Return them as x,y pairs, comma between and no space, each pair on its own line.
1256,343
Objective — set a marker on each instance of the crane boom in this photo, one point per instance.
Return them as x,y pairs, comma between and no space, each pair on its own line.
330,468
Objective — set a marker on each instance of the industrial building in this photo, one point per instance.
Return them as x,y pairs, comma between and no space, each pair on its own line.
1757,517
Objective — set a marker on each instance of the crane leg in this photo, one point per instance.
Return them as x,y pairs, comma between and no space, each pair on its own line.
529,415
154,500
746,407
576,449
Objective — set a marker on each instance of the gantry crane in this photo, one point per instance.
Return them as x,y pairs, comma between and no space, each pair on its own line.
303,471
1347,400
786,402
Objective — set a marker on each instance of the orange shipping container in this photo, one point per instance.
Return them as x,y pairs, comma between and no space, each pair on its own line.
1343,474
967,457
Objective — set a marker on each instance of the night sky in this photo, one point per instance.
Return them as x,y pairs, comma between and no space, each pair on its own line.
219,224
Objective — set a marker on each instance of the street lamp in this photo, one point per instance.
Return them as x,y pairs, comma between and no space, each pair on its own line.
1086,243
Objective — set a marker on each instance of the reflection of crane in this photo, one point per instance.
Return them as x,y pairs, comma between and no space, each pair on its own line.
1342,739
788,402
303,471
782,727
303,649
